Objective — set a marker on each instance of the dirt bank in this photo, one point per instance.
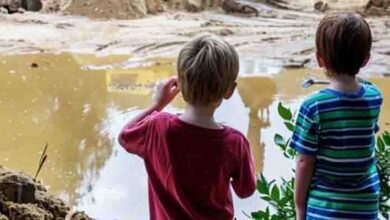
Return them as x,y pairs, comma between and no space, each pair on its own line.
21,198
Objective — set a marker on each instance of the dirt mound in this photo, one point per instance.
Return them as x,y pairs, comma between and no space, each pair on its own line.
22,198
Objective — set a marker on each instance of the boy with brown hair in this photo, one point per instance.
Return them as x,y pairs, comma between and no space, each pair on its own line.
191,160
336,175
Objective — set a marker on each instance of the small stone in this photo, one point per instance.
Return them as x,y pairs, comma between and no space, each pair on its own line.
321,6
226,32
34,65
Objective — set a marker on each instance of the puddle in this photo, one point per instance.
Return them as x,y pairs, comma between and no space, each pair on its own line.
79,112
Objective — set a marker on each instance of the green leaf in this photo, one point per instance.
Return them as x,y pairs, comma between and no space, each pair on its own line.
275,193
284,112
266,198
380,144
290,126
260,215
292,153
279,140
262,187
386,138
288,141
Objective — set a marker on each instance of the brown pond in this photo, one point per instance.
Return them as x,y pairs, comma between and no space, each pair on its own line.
79,112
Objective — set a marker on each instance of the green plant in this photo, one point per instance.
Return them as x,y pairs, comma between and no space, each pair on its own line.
42,161
280,197
383,166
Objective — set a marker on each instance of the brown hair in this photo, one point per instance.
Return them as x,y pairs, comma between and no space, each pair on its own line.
207,67
344,41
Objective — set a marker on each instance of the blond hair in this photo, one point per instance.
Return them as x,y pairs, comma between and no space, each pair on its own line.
207,67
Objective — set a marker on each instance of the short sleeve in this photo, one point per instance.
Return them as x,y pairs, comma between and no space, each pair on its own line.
305,137
133,137
244,178
377,126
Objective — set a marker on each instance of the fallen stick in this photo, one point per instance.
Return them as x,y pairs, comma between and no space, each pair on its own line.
310,82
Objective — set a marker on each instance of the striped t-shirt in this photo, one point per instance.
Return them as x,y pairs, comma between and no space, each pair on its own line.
339,130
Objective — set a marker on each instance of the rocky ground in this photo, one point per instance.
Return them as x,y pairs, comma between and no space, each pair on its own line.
21,198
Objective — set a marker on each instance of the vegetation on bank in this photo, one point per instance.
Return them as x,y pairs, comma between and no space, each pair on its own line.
279,197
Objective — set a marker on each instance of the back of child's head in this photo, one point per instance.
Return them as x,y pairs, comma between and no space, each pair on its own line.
207,68
343,41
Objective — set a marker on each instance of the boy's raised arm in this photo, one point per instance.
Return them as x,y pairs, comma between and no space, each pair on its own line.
133,134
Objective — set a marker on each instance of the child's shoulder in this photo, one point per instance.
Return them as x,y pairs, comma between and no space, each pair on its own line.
163,115
371,89
160,117
236,135
315,98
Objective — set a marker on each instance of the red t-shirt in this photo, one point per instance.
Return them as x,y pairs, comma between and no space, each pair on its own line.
190,168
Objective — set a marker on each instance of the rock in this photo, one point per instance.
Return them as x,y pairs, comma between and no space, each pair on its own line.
321,6
52,204
27,211
225,32
19,6
3,217
33,5
34,65
233,6
17,187
79,216
21,198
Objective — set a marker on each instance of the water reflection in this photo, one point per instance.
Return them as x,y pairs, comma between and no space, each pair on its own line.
58,104
257,94
79,113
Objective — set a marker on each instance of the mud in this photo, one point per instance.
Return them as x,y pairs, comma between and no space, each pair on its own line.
22,198
276,37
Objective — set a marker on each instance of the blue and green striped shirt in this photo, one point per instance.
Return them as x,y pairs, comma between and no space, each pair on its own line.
339,130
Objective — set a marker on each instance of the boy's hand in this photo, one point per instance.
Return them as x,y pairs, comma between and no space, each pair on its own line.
166,92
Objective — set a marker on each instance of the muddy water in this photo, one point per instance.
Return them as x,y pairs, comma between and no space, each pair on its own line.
79,112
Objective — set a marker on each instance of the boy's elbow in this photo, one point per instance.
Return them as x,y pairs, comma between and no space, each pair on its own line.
120,138
244,195
246,191
300,202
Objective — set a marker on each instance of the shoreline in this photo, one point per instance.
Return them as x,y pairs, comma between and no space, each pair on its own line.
288,39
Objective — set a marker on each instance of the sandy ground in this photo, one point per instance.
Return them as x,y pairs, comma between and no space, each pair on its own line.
276,37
